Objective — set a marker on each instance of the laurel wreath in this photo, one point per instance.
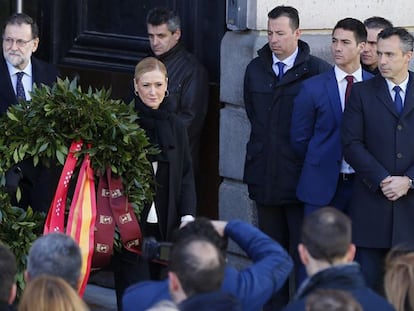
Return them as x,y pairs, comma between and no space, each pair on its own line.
43,130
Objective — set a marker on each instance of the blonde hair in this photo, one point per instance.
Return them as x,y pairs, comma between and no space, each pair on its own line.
149,64
47,292
399,280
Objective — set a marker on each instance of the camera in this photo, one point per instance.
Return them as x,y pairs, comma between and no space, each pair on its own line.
156,251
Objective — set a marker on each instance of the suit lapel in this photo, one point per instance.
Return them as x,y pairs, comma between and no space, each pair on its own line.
7,95
409,96
383,95
331,87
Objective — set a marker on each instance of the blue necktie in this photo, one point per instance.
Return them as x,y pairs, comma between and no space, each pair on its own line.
397,99
19,86
280,65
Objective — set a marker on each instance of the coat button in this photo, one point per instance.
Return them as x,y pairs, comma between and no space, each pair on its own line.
399,155
399,127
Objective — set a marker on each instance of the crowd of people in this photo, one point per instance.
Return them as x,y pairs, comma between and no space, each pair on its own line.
329,164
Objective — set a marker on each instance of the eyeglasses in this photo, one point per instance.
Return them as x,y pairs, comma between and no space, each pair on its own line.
19,42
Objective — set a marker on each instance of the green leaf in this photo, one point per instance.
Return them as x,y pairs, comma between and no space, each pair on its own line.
16,156
43,147
60,157
18,194
11,116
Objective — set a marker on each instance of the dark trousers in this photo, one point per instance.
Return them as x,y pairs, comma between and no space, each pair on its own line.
129,268
372,262
283,224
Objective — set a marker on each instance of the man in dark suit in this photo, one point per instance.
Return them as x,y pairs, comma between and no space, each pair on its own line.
377,134
18,72
271,170
187,78
326,179
369,57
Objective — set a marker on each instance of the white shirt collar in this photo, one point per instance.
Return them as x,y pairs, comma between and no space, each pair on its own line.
13,70
288,61
340,74
402,85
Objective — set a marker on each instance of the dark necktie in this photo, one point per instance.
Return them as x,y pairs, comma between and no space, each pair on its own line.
281,66
19,86
350,81
397,99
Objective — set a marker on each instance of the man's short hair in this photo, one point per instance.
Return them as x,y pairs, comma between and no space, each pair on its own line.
405,37
21,18
287,11
331,300
55,254
8,270
202,227
198,264
354,25
326,234
377,22
159,16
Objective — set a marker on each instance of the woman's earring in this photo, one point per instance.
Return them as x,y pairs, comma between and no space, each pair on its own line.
167,93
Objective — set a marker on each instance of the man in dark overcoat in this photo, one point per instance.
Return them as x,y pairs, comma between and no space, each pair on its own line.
377,133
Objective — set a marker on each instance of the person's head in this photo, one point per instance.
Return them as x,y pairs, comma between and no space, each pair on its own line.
394,50
399,280
373,25
331,300
48,292
164,30
202,227
283,31
348,40
55,254
196,267
8,270
151,81
325,239
20,39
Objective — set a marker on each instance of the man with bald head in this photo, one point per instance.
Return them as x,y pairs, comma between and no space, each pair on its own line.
195,276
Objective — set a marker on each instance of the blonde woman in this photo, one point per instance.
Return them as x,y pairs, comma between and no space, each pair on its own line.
175,197
399,280
46,293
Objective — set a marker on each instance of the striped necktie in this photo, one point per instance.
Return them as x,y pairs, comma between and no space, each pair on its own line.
19,86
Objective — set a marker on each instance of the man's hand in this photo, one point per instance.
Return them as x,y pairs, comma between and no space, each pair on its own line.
394,187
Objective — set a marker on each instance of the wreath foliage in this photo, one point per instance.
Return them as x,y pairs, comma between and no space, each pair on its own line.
43,130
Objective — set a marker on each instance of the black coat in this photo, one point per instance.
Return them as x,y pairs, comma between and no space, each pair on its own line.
168,133
377,143
38,184
346,277
272,169
188,92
